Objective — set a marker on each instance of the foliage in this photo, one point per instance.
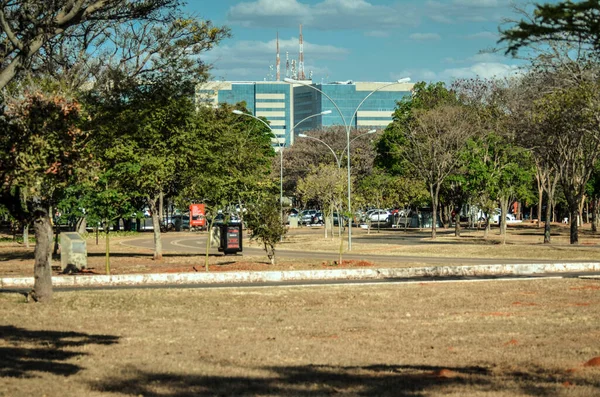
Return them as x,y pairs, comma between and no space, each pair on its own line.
326,185
306,153
230,158
565,21
32,30
392,145
42,148
264,221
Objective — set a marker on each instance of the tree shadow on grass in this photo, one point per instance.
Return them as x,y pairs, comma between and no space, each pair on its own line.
31,351
16,255
315,380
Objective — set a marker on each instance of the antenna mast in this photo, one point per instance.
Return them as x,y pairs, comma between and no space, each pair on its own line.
278,62
301,75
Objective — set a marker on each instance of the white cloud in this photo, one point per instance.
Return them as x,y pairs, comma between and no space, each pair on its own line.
483,36
466,10
479,3
482,70
326,15
424,36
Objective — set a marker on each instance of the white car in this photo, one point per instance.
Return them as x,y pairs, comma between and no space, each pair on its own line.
510,218
377,215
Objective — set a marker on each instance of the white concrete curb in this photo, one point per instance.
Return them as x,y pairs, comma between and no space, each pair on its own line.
302,275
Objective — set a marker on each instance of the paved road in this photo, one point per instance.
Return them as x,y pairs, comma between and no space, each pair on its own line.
197,244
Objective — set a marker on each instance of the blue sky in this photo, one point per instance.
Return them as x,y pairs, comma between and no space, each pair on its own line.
360,40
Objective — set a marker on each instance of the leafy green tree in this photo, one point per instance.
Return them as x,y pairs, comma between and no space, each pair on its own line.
144,138
569,116
325,185
428,132
42,151
264,221
230,159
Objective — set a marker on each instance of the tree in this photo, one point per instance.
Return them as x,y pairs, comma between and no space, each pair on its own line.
306,153
572,118
325,185
144,136
231,158
428,132
27,26
566,21
42,150
264,221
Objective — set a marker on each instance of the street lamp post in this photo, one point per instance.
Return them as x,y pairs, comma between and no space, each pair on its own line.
347,127
239,112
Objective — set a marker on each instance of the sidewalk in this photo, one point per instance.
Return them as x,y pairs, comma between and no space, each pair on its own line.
86,280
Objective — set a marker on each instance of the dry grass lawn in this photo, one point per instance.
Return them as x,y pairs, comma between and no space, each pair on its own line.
504,338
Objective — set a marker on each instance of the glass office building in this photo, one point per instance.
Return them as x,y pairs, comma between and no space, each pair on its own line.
286,106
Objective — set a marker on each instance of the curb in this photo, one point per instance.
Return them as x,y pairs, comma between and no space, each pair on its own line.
303,275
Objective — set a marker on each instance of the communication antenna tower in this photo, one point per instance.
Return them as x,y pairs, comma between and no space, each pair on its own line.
278,62
301,75
287,64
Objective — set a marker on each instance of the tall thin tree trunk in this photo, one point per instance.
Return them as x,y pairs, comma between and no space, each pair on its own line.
457,224
434,205
26,234
574,232
156,225
107,253
547,236
540,203
42,270
503,213
595,215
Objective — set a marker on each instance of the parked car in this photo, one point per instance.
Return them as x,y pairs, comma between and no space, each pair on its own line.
377,215
317,218
496,216
306,217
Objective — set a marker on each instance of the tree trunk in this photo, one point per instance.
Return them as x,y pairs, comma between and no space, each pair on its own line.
156,225
540,203
547,236
574,234
503,212
81,225
42,270
457,224
107,254
26,234
595,215
434,204
486,230
580,211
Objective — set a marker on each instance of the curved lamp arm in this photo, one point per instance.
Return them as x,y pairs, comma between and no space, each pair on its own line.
337,160
292,81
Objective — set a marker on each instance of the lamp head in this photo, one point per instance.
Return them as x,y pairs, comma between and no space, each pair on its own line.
371,131
326,111
236,111
303,135
288,80
403,80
